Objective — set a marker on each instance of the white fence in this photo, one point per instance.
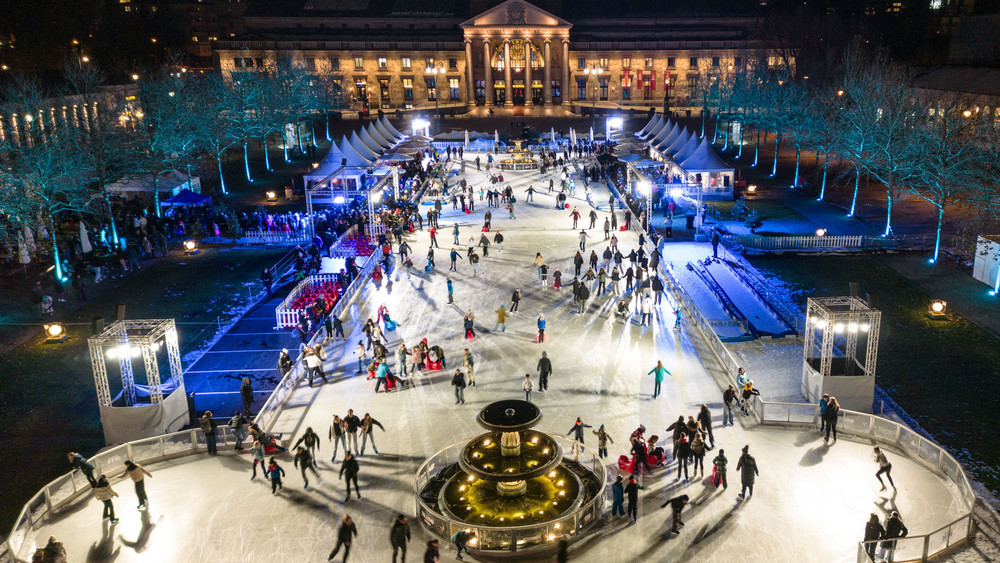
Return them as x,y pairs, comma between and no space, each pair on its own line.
794,243
276,237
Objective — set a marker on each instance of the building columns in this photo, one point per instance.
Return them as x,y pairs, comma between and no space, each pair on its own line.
529,92
489,71
565,69
470,84
508,86
547,62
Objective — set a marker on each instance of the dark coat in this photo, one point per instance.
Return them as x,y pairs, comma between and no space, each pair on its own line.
347,532
349,467
748,466
399,534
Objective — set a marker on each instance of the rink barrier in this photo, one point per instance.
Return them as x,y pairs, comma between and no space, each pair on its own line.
276,237
69,487
268,413
515,538
285,315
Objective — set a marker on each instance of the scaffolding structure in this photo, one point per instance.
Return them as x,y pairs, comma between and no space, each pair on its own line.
131,338
836,327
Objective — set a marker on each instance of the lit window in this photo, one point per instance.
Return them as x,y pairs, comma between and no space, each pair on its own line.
408,89
359,63
431,88
581,63
195,39
429,63
626,62
453,88
603,63
382,62
649,62
406,62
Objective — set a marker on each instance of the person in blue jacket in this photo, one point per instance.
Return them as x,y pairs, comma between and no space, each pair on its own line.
577,430
618,497
380,377
822,410
541,328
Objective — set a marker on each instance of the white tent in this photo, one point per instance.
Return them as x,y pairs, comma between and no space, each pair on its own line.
661,126
388,127
710,172
370,141
674,142
378,137
687,150
363,149
333,160
653,122
354,158
385,132
663,135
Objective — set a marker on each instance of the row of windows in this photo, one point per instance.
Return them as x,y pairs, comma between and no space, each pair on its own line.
581,62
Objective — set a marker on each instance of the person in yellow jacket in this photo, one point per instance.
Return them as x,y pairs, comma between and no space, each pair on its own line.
137,474
104,493
501,319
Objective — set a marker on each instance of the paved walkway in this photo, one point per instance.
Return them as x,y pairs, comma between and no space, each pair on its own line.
810,503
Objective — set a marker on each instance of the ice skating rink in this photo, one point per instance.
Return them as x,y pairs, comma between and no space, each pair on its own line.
810,502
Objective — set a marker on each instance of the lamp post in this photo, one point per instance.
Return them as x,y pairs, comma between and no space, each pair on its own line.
666,95
596,70
435,70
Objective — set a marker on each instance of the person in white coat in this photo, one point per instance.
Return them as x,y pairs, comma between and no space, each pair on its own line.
527,387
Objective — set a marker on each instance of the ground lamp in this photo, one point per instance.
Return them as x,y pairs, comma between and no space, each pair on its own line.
55,333
190,247
272,195
752,189
938,310
820,232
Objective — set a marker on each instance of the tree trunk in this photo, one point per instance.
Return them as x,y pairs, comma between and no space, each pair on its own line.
222,181
854,198
937,238
328,126
777,140
55,258
729,125
756,150
704,110
822,187
298,138
267,159
715,134
888,213
246,161
795,179
739,151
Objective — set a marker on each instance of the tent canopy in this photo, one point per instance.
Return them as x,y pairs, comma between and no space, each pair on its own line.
187,197
381,139
370,141
657,127
704,159
172,181
686,151
363,149
388,127
653,121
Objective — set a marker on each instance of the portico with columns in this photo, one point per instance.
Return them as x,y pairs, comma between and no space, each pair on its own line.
516,39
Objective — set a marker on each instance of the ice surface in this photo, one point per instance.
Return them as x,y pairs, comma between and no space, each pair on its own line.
810,503
749,303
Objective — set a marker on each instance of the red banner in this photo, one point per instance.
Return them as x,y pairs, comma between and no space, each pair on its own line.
638,76
652,80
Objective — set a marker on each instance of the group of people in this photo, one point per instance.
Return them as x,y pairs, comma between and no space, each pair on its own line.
101,484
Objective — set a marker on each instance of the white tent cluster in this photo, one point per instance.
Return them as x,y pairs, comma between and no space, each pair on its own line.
692,157
360,149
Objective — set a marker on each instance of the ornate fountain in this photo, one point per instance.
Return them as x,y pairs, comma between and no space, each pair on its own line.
510,484
520,159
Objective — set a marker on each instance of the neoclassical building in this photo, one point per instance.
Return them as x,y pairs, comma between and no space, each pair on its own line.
413,54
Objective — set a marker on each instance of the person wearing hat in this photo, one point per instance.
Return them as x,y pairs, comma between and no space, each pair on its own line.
284,362
618,497
602,441
748,467
501,319
399,536
632,490
822,410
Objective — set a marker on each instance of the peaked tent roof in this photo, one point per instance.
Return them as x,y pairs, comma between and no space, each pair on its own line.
354,158
330,163
513,13
361,147
677,143
662,135
704,159
370,141
391,137
688,149
653,122
663,124
388,127
377,136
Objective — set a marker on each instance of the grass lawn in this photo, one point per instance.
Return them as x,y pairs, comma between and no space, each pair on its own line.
47,390
945,374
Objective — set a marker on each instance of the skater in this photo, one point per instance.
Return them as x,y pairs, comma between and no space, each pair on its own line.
541,329
894,528
683,453
338,435
461,540
345,535
728,402
556,278
575,215
275,473
257,453
401,354
583,240
715,244
883,467
454,255
470,367
451,291
362,356
246,394
434,241
501,318
748,465
311,441
677,505
433,554
399,536
104,493
720,469
368,425
873,531
469,323
348,472
832,410
81,464
705,421
659,370
632,490
498,240
304,460
458,381
515,299
593,219
544,369
577,432
352,423
602,441
527,387
454,232
578,261
822,411
539,262
137,474
698,453
208,426
617,496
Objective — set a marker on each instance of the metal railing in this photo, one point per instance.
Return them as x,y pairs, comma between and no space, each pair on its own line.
513,538
276,237
857,242
69,487
921,547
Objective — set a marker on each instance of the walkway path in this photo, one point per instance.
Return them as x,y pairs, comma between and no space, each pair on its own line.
811,500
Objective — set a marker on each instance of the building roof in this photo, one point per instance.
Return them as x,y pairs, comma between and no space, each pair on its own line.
959,79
